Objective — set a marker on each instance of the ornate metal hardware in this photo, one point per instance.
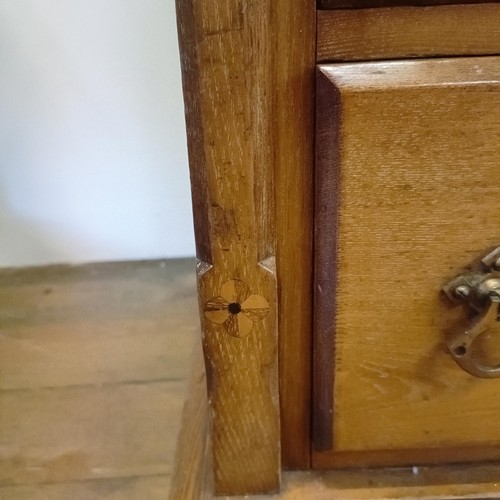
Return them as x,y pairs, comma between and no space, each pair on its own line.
481,291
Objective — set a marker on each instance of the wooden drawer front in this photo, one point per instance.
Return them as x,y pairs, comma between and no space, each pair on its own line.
408,193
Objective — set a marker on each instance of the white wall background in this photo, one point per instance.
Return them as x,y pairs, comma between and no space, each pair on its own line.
93,162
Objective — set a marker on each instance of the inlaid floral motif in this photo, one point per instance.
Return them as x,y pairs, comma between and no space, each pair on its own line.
236,308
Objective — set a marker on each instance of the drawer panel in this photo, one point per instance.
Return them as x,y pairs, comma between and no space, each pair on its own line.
357,4
408,193
406,32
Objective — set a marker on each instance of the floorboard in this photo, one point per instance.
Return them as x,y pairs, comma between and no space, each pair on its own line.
93,362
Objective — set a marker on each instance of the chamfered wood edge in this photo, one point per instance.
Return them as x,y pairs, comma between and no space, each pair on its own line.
190,73
408,32
294,89
327,204
366,4
442,72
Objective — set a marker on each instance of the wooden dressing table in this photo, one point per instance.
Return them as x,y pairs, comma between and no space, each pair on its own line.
345,167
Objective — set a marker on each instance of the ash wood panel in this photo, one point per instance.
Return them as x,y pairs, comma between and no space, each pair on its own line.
294,121
363,4
404,32
227,59
419,183
98,323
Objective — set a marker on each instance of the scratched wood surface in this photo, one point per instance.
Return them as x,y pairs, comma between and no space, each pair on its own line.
417,179
404,32
93,362
227,56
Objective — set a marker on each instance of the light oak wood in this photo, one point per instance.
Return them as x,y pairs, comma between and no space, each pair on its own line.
426,483
227,61
416,172
249,93
403,32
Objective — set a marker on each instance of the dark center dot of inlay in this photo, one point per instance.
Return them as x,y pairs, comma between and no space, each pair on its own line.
234,308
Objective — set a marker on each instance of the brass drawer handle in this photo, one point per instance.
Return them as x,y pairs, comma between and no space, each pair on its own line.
481,291
460,345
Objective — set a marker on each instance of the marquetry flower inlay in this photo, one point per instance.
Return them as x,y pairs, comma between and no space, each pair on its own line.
236,308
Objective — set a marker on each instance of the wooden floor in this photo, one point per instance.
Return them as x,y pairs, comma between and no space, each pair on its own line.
93,362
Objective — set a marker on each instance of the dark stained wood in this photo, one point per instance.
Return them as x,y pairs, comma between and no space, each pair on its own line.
364,4
407,457
327,202
295,25
405,32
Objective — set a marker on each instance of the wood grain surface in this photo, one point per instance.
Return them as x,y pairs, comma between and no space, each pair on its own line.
326,214
425,483
476,481
55,320
358,4
249,93
404,32
293,87
227,55
131,488
418,192
93,362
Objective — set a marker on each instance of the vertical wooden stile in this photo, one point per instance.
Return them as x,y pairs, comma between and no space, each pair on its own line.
249,107
229,101
295,27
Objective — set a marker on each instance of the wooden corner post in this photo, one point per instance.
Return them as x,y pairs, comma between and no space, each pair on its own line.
249,113
226,62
